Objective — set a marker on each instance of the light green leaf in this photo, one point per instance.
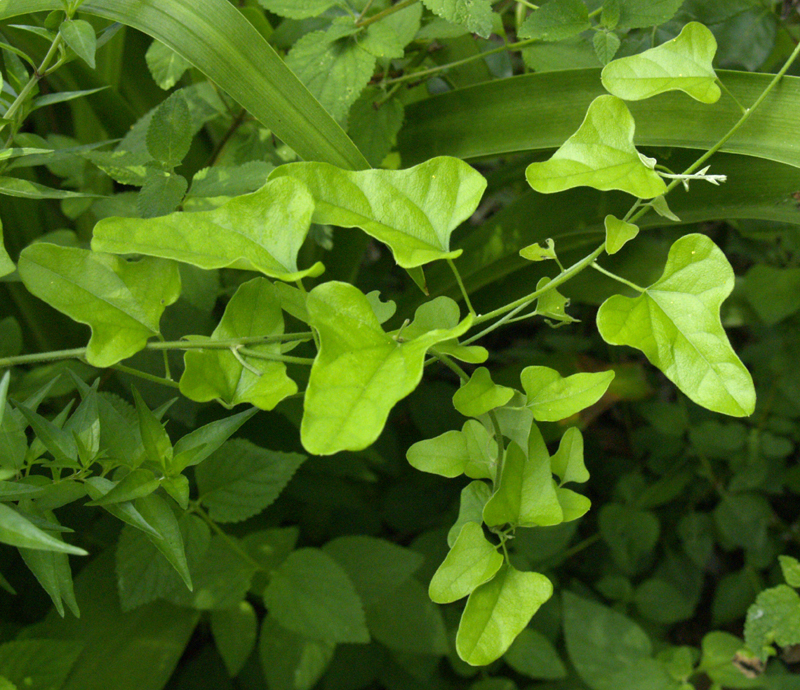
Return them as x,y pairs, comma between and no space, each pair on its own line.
606,44
234,632
381,41
374,129
360,371
526,495
445,455
536,252
310,594
25,189
676,323
443,312
6,264
618,233
473,500
120,301
137,484
255,310
333,67
196,446
292,661
552,304
17,530
600,154
556,21
160,194
638,14
482,448
476,15
414,211
383,310
234,180
682,64
169,133
552,397
157,513
165,65
573,505
155,439
298,9
480,394
567,463
98,487
790,567
38,664
774,618
497,612
534,656
262,231
240,479
80,36
472,561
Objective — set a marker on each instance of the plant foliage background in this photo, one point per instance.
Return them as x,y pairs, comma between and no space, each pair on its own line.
421,344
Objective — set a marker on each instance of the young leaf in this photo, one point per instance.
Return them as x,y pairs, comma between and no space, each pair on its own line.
414,211
17,530
97,487
445,455
292,661
443,312
241,479
255,310
618,233
536,252
552,397
310,594
606,44
600,154
556,21
196,446
683,64
480,394
360,371
80,36
165,65
567,463
497,612
774,618
169,134
120,301
234,632
156,442
473,500
262,231
476,15
472,561
137,484
676,323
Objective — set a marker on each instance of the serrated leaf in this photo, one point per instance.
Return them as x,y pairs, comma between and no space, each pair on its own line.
234,632
219,374
310,594
298,9
381,41
414,211
240,479
120,301
372,127
476,15
360,371
165,65
552,397
790,567
261,232
676,323
121,166
618,233
160,517
557,20
169,134
606,44
17,530
567,463
480,394
473,500
472,561
497,612
774,618
682,64
600,154
80,36
160,194
291,661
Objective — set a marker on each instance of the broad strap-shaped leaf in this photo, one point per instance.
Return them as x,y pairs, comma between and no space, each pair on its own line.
682,64
600,154
480,394
552,397
120,301
360,371
472,561
676,323
262,231
414,211
618,233
476,15
497,612
255,310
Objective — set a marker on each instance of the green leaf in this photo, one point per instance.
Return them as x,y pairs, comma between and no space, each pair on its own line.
472,561
137,484
790,567
17,530
240,479
333,67
497,612
552,397
443,312
196,446
160,194
526,495
683,64
59,443
169,133
262,232
445,455
662,601
606,44
157,513
618,233
719,649
476,15
360,371
291,661
480,394
234,632
6,264
567,463
631,534
774,293
25,189
534,656
310,594
600,154
774,618
165,65
234,180
472,502
120,301
573,505
155,439
97,487
676,323
38,664
556,21
552,304
372,127
382,41
298,9
413,211
80,36
219,374
536,252
637,14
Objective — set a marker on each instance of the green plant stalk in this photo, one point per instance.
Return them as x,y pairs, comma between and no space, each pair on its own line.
461,286
255,354
619,279
385,13
147,377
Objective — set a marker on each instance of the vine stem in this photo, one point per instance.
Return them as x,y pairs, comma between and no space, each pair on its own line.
385,13
147,377
619,279
462,287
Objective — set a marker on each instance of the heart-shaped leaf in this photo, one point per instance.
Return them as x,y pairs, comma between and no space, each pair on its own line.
413,211
480,394
618,233
262,231
600,154
682,64
120,301
552,397
567,463
676,323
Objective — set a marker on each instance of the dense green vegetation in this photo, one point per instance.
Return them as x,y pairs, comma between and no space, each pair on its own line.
434,344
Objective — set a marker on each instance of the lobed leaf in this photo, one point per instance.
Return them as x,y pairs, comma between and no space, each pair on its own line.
567,463
552,397
618,233
480,394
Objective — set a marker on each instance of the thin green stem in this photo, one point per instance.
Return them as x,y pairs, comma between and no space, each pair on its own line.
241,360
147,377
385,13
365,10
727,91
461,286
450,364
619,279
255,354
167,372
503,539
501,451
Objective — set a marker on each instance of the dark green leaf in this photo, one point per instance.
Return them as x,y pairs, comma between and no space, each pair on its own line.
165,65
161,194
80,36
39,664
169,133
235,631
556,20
476,15
292,661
